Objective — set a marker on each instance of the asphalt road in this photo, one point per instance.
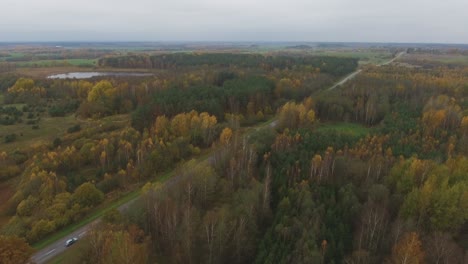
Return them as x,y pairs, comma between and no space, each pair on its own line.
54,249
58,247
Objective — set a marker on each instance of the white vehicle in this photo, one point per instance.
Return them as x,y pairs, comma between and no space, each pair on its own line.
71,241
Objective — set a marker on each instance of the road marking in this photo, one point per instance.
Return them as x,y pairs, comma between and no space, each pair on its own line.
82,233
49,252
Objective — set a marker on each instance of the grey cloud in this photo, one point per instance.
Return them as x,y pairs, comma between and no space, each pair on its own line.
241,20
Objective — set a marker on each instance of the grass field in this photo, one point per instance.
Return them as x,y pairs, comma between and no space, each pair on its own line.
348,128
2,97
38,62
49,128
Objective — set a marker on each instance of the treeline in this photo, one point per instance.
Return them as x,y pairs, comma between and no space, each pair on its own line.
330,65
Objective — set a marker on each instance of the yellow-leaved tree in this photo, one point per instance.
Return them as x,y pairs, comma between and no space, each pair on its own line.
408,250
14,250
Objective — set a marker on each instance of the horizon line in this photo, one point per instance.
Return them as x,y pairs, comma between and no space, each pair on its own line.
227,41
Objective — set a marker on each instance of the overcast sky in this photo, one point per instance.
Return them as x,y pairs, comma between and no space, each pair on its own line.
441,21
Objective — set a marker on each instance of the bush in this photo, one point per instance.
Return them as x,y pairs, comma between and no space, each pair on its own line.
87,195
7,121
10,138
8,172
57,142
19,157
56,111
112,217
35,127
74,129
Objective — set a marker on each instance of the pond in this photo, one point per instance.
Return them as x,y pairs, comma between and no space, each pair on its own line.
87,75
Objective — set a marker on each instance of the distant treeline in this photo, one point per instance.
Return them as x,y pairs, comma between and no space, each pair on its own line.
36,55
331,65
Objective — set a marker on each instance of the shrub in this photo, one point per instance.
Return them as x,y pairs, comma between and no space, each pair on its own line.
56,111
74,129
57,142
10,138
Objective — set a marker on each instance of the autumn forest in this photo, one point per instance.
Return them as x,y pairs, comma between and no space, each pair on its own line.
236,157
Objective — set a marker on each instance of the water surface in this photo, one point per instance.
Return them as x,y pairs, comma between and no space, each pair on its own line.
87,75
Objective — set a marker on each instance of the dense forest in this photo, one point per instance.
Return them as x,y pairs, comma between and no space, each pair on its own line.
266,164
307,192
331,65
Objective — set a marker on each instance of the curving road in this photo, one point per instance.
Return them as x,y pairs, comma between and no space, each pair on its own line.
58,247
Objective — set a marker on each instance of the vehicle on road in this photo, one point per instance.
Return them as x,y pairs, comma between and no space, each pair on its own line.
71,241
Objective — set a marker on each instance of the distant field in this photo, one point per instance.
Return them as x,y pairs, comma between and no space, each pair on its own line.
374,57
457,59
51,63
16,54
12,55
